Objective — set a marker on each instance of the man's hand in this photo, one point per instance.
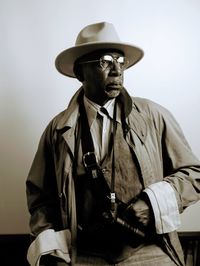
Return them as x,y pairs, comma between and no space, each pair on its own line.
141,211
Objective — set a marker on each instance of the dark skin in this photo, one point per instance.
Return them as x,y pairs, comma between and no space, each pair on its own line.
100,86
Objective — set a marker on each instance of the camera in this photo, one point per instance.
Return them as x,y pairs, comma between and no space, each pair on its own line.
113,217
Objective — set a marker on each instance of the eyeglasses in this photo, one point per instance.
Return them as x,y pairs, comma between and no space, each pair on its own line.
107,61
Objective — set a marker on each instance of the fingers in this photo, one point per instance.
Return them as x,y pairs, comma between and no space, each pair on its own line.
144,219
141,211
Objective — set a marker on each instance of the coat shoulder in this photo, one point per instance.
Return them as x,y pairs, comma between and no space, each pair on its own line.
147,105
151,109
153,113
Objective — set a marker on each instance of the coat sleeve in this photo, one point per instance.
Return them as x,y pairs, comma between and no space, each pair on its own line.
181,173
48,234
41,188
180,166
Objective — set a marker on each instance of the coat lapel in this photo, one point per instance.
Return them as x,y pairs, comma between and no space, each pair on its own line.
133,115
67,123
137,123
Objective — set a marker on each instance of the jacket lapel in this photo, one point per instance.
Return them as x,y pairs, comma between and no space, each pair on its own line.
132,115
137,123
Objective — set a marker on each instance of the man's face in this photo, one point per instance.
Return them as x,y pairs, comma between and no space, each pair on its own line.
103,78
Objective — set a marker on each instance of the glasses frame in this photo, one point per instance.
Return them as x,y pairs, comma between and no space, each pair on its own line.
113,59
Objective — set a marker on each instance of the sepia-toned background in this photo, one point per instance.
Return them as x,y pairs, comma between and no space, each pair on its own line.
33,32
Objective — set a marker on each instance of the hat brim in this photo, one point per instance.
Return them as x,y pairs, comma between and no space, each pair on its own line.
66,59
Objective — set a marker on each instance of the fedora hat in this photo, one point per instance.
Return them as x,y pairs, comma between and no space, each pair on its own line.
95,37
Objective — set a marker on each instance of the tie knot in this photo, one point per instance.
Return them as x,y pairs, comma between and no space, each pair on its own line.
104,111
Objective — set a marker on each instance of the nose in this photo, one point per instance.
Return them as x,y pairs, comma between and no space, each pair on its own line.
116,69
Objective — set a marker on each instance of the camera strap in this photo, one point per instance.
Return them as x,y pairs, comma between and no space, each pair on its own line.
90,160
112,192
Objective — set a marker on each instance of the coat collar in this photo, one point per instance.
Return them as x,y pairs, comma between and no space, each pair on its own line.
70,115
133,115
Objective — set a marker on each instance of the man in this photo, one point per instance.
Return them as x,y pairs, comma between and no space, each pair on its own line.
112,173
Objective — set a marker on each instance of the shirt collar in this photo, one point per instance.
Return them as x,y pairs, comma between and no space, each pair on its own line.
92,108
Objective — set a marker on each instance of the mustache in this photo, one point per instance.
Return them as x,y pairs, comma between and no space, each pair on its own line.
115,81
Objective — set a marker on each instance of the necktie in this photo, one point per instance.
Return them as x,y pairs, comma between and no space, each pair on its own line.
99,120
104,130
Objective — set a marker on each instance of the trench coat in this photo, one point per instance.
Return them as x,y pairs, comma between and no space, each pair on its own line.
160,148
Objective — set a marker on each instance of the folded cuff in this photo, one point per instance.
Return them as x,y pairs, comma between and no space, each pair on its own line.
165,208
50,242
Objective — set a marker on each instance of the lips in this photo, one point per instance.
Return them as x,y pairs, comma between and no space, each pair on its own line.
113,86
116,84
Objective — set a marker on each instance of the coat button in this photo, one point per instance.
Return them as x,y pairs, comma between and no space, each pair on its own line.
104,170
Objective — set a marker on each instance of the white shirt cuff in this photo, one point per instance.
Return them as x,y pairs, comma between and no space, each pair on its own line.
165,207
50,242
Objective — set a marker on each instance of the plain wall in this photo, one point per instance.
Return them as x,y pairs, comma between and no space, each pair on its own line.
32,33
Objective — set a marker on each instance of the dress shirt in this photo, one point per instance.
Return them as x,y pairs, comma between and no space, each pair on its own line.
101,128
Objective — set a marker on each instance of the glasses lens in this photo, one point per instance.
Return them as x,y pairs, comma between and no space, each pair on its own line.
123,61
107,61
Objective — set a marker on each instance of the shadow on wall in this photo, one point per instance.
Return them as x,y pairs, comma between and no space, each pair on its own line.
14,249
16,155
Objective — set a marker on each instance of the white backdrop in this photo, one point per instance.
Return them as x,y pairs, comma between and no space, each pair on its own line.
33,32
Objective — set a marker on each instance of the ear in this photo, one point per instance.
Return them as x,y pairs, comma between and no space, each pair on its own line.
78,72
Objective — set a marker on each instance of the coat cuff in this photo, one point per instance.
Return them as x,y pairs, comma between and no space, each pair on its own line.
50,242
165,208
